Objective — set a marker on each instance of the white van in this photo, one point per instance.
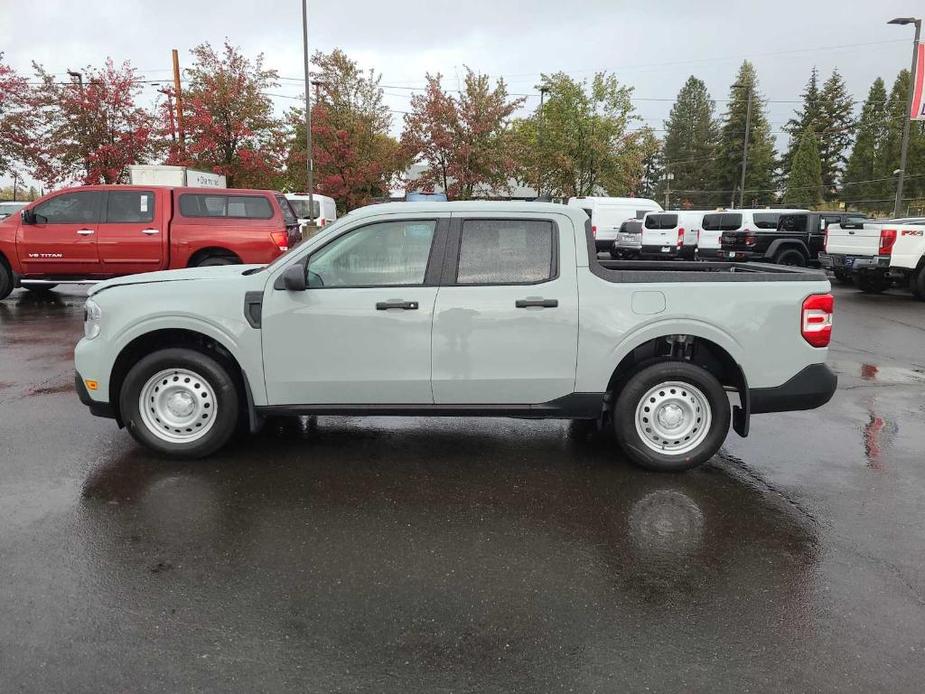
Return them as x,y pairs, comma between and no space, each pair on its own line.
325,208
671,234
715,223
607,214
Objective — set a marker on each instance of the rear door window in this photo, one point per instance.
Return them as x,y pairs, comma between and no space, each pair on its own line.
793,222
767,220
212,205
130,207
661,221
506,251
722,221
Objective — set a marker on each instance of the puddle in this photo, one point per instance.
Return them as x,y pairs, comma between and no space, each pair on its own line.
874,373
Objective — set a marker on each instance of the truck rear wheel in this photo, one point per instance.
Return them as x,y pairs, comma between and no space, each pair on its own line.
6,281
918,284
790,256
871,283
671,417
180,402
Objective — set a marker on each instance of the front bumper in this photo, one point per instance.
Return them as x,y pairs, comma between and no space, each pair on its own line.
97,408
813,387
854,263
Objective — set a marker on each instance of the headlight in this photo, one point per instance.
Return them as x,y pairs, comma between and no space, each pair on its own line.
93,314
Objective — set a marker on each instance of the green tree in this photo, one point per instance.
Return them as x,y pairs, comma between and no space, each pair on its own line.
762,163
835,127
863,166
807,116
691,135
581,143
653,165
888,150
804,180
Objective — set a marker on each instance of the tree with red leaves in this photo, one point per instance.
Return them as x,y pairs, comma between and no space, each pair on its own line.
355,158
229,123
88,132
15,118
465,141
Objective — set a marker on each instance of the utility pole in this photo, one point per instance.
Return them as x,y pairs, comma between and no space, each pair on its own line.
540,135
15,181
173,125
748,125
904,148
308,120
181,136
668,178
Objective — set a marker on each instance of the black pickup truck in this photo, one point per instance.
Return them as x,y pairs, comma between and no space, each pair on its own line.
797,240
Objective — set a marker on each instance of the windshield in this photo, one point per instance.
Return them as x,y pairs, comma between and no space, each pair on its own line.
301,208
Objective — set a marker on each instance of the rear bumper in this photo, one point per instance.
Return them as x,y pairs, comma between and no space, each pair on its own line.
710,253
97,408
738,255
854,263
813,387
661,251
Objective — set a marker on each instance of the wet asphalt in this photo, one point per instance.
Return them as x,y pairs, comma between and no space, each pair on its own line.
482,555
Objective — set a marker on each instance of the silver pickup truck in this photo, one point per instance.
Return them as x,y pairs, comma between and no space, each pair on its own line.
464,309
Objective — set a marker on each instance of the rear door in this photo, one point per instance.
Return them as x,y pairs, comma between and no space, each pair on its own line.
506,316
132,235
63,240
660,231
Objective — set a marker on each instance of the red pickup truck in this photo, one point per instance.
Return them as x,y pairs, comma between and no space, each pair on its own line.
95,232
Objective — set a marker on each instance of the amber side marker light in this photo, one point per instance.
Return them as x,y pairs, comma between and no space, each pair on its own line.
91,385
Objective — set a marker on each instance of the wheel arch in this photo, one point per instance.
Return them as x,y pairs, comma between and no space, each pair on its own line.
788,244
162,338
201,254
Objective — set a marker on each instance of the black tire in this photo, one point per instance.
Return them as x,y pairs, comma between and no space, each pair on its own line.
636,390
790,256
918,284
213,260
216,376
870,283
6,281
844,277
38,287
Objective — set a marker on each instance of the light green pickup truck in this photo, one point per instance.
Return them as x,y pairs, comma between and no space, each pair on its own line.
462,309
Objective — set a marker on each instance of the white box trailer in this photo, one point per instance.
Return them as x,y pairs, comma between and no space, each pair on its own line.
162,175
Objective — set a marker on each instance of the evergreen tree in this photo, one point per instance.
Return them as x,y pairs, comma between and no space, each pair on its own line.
862,164
888,149
807,116
834,128
690,143
760,173
804,180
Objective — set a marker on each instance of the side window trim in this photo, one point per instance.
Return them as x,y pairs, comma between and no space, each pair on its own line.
435,259
454,244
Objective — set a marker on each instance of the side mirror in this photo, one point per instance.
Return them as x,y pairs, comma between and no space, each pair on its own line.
294,278
27,216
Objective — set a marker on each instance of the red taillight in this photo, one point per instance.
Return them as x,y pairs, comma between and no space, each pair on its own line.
322,221
887,239
680,237
281,239
816,326
751,238
594,231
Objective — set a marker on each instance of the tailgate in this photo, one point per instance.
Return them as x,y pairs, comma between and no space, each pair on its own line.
734,240
659,237
863,242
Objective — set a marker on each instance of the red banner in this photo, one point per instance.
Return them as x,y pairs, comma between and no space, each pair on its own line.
918,107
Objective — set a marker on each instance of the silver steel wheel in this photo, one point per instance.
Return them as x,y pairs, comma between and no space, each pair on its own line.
673,418
178,406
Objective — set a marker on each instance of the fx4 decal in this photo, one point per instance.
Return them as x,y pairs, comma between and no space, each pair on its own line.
912,232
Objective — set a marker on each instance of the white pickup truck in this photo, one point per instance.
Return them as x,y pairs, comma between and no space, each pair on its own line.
466,309
877,253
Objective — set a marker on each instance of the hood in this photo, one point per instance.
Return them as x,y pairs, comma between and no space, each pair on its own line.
215,272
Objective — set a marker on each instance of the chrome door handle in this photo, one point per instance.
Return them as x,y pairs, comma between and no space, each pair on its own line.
539,303
405,305
150,232
85,232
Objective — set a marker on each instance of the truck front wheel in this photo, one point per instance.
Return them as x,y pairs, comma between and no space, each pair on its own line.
6,281
671,416
180,402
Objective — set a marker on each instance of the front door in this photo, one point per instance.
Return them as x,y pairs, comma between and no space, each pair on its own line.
62,242
132,234
506,319
361,333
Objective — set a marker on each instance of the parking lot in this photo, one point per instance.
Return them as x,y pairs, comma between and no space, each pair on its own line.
392,554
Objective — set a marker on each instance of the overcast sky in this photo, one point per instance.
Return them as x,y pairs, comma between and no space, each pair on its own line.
653,46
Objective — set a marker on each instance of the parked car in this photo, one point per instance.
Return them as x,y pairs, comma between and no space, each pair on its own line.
607,214
628,243
325,208
907,259
671,234
8,208
470,309
95,232
418,196
797,240
716,224
861,249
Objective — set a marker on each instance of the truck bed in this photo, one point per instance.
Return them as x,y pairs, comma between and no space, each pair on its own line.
621,271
